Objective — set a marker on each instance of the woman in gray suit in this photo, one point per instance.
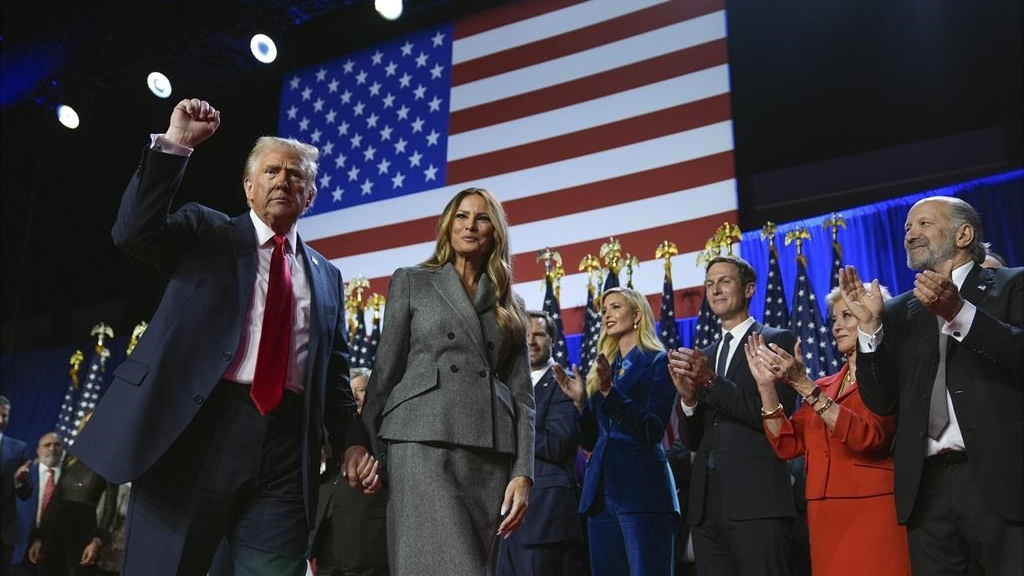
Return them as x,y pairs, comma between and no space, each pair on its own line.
450,404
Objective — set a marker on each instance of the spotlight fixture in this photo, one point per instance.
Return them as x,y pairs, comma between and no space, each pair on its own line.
159,85
263,48
67,116
389,9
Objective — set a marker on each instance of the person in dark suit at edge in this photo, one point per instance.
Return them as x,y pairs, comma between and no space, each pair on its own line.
549,539
13,453
741,499
245,356
946,359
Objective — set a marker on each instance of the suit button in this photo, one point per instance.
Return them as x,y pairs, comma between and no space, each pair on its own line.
925,396
483,373
225,356
451,335
198,399
454,368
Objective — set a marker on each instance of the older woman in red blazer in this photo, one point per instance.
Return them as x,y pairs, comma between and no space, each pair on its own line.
851,513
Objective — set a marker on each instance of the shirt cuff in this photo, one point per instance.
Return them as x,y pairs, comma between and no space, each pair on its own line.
161,144
869,342
688,410
961,324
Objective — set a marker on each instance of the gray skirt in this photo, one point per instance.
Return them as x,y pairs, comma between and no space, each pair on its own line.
444,508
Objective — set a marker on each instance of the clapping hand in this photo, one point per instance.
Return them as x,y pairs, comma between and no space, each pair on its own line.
937,291
865,305
571,386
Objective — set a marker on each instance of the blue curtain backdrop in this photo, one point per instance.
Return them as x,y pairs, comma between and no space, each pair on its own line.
872,241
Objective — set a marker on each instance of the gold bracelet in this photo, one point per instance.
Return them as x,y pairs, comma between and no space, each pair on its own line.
777,413
828,404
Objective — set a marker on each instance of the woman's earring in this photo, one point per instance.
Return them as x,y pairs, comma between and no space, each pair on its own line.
636,325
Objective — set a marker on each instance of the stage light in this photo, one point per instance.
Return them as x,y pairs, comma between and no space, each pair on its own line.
67,116
263,48
389,9
159,85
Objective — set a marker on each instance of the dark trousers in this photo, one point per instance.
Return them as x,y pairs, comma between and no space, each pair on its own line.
626,543
231,474
724,547
516,559
953,530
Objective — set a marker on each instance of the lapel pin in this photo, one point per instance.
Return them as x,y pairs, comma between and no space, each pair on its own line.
315,263
982,287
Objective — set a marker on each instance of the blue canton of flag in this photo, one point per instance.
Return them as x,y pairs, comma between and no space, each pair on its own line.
559,351
66,417
668,331
806,323
708,329
90,393
837,263
358,346
378,116
832,355
371,343
776,309
591,332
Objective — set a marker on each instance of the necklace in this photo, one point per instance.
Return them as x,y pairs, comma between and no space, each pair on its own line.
847,382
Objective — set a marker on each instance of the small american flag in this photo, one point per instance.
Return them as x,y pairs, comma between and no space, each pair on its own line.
776,310
668,331
559,351
807,324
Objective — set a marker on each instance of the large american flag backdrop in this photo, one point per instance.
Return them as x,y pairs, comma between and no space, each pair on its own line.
589,120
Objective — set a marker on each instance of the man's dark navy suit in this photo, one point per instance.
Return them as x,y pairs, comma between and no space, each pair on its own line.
552,520
210,261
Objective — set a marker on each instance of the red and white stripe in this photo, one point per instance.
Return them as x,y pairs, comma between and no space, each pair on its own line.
588,120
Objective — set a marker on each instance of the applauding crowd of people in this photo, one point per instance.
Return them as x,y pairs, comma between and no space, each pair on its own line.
455,455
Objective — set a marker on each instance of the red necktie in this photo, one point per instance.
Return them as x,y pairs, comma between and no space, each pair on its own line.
275,334
47,494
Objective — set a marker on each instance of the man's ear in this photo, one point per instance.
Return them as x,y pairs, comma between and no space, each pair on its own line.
964,235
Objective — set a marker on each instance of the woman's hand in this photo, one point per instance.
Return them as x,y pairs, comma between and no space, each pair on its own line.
784,366
604,375
759,368
571,387
513,508
91,552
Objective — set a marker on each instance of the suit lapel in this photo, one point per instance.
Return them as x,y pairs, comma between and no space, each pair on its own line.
638,365
450,288
242,235
317,280
734,363
979,282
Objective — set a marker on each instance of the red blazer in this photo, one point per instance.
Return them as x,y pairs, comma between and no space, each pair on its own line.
854,459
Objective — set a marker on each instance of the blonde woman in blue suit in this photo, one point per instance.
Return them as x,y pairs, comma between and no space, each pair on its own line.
629,496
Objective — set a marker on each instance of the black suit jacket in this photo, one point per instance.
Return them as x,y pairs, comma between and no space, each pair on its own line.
553,500
727,421
985,378
211,262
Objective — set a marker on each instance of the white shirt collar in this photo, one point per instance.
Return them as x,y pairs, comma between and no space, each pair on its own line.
537,374
739,330
960,273
264,233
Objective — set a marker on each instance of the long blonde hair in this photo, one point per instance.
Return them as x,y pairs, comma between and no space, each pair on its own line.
509,313
647,338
